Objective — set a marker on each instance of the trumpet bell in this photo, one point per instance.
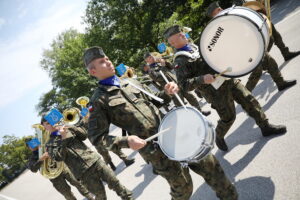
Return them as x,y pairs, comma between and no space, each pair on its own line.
71,116
82,101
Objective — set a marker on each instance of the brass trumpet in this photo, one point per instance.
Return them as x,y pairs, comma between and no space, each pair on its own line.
50,168
71,116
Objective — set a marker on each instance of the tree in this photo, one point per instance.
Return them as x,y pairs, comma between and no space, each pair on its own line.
13,156
127,28
64,63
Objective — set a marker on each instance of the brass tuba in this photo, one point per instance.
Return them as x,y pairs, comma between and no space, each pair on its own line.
50,168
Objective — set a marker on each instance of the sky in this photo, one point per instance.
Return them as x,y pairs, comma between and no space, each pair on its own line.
26,29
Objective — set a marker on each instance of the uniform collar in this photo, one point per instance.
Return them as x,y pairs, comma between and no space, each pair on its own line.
111,81
186,47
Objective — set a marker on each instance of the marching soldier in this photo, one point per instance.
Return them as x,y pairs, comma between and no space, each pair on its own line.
119,102
157,64
268,63
60,182
85,164
192,72
104,152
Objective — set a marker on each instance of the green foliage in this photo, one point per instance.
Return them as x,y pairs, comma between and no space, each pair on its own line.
13,155
127,28
70,79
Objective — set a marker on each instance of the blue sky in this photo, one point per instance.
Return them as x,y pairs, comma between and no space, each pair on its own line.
26,28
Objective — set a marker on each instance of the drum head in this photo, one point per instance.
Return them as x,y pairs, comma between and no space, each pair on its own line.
187,132
232,41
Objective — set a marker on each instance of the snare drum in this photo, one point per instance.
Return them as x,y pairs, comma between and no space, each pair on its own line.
238,38
190,137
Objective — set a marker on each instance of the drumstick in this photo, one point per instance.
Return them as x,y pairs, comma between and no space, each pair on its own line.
229,69
157,134
176,95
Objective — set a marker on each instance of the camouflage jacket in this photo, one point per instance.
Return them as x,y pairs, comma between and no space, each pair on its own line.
125,107
73,151
34,164
157,77
190,73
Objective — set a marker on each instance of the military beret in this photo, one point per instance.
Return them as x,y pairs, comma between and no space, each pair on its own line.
212,7
171,31
92,53
147,54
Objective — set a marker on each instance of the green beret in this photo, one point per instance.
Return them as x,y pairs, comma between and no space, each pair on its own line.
147,54
92,53
172,31
212,7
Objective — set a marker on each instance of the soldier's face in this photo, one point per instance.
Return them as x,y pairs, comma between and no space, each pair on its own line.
48,126
150,60
101,68
178,40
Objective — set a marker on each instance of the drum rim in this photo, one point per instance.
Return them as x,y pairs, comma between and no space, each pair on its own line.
260,31
200,149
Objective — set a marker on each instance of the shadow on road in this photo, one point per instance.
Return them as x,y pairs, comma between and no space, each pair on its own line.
146,171
120,167
280,9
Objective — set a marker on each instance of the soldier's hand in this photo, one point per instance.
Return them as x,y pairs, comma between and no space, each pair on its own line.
171,88
63,131
208,78
44,156
162,62
135,142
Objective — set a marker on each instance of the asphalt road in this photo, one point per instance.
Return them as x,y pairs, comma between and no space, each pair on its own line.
261,168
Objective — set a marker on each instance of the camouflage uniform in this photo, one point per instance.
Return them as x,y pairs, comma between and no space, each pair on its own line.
85,164
277,40
156,77
104,152
268,64
60,182
130,109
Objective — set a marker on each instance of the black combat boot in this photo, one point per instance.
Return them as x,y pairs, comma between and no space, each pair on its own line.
221,144
291,55
205,113
129,161
271,129
112,166
286,84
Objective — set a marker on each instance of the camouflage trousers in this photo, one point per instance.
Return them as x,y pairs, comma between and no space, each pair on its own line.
178,178
277,40
268,64
210,169
222,100
190,97
61,185
104,153
99,172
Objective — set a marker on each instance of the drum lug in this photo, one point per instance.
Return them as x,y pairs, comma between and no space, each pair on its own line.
262,25
230,9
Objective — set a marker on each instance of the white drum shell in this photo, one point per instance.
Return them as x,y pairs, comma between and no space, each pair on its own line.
191,136
240,43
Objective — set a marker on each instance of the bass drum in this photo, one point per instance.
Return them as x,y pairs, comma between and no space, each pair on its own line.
190,137
238,38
